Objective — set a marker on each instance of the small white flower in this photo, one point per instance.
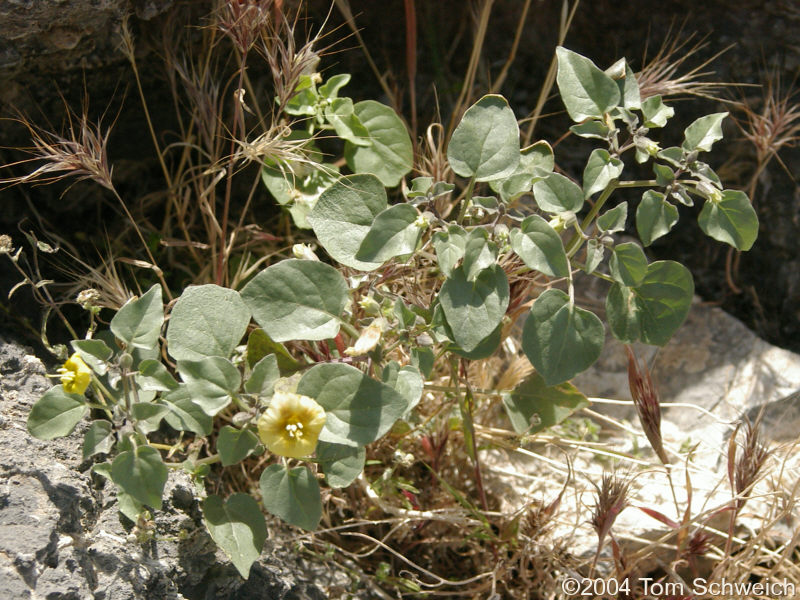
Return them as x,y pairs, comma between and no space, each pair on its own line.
304,251
368,339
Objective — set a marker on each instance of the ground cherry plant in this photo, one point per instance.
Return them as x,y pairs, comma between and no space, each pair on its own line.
320,354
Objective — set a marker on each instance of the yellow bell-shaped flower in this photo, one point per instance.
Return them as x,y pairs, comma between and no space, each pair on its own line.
291,425
75,375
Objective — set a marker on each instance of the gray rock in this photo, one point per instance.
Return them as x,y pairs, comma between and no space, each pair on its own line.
61,537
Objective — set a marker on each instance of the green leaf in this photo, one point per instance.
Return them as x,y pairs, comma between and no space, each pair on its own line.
628,264
673,155
664,175
485,144
393,233
592,129
298,185
348,126
485,348
406,381
560,339
184,414
419,187
359,409
535,162
654,217
149,416
595,251
614,219
234,444
556,194
629,88
533,406
153,376
601,169
260,345
292,495
55,414
540,247
473,309
138,323
207,320
142,474
703,132
210,382
449,246
304,100
479,253
341,464
423,359
297,300
330,89
585,90
237,526
99,439
654,310
731,220
343,216
263,376
390,155
655,113
94,353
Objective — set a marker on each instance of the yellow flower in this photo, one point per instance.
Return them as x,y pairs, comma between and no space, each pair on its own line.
75,375
291,425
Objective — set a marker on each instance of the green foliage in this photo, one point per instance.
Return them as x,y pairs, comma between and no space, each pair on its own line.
238,527
416,283
297,300
533,406
292,494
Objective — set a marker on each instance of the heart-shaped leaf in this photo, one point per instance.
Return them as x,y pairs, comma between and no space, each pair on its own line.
560,339
142,474
540,247
474,309
297,300
138,323
628,264
238,527
56,414
731,219
393,233
210,382
207,320
654,217
292,495
234,444
485,144
601,169
341,464
343,216
556,194
390,155
654,310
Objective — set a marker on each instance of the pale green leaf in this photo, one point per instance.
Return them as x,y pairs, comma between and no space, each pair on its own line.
485,144
297,300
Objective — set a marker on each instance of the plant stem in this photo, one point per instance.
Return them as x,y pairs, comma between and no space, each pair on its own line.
467,200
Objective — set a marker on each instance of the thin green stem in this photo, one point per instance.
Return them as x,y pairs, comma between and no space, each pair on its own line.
467,200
